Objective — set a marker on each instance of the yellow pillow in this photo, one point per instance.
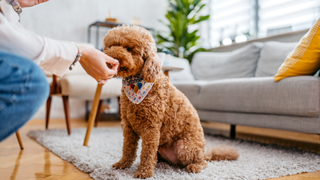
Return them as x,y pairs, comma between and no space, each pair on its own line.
305,58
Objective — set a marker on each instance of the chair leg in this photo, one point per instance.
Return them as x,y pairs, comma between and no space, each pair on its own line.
19,140
232,131
119,107
67,112
98,113
87,110
48,107
120,112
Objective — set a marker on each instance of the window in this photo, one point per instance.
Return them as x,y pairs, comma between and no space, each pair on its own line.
231,19
286,15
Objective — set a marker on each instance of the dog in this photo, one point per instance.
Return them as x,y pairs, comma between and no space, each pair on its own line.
154,110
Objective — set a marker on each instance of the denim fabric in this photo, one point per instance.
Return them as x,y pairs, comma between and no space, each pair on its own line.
23,89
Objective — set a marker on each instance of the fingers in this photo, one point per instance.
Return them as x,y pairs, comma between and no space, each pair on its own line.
103,82
115,67
111,60
96,63
42,1
112,72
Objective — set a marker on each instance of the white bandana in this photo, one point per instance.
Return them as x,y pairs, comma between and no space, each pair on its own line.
136,88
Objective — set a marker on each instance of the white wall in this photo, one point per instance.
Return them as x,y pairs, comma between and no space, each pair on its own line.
68,20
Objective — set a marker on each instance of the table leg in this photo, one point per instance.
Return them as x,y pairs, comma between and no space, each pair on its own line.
89,34
93,114
97,36
166,72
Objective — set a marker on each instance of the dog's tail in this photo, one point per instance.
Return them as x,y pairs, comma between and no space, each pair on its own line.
221,153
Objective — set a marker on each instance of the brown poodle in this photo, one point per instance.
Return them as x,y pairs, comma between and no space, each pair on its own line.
165,120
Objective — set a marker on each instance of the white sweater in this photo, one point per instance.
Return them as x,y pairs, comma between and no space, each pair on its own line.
51,55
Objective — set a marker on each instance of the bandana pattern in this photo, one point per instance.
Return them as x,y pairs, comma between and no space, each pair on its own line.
136,88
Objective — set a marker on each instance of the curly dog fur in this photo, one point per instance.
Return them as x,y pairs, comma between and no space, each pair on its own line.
165,120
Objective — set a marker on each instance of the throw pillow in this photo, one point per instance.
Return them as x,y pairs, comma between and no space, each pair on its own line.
305,58
272,56
222,65
183,75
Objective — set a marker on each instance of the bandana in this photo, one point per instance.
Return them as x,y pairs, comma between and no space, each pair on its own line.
135,88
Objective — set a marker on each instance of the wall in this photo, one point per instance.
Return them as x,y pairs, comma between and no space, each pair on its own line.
68,20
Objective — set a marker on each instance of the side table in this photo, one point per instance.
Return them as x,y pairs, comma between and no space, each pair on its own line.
105,24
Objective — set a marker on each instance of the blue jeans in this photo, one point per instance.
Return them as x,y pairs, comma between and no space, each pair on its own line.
23,89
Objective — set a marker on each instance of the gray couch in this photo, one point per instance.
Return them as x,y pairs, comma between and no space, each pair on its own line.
238,88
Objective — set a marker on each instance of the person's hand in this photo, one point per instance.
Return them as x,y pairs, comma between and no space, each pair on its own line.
94,62
30,3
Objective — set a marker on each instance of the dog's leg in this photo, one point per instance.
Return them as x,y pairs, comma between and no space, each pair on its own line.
129,149
191,154
150,143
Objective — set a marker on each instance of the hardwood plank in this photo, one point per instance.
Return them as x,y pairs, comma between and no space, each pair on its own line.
70,176
83,177
303,176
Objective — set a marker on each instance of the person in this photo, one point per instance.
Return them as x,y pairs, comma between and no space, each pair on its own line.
23,85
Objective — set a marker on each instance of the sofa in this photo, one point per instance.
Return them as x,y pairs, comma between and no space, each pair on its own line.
238,88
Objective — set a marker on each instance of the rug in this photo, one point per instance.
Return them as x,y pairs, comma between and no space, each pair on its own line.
256,161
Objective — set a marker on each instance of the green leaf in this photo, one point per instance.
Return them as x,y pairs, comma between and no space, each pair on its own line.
161,39
202,18
200,8
180,5
196,2
182,14
174,7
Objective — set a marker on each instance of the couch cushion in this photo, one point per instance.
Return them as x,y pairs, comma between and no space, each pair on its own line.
272,56
190,88
297,96
84,86
235,64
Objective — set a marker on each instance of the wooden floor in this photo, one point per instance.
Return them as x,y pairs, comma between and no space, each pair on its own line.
36,162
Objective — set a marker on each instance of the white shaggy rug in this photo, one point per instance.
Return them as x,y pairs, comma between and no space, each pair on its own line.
256,161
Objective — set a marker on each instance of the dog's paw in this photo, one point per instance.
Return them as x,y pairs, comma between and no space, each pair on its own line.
143,173
196,167
122,165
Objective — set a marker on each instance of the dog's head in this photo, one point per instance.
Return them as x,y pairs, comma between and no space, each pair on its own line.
136,51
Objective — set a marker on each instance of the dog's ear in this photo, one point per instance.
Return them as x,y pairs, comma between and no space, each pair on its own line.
152,65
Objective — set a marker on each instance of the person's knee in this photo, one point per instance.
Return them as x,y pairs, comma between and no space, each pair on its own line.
23,89
38,84
24,80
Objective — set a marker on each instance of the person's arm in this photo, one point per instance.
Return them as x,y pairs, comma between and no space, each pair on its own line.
53,56
30,3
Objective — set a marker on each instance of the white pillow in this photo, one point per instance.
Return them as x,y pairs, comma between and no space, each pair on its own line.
183,75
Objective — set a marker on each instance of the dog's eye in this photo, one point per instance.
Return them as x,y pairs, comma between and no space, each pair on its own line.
129,49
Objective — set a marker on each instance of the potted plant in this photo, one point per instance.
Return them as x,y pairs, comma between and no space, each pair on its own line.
180,40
